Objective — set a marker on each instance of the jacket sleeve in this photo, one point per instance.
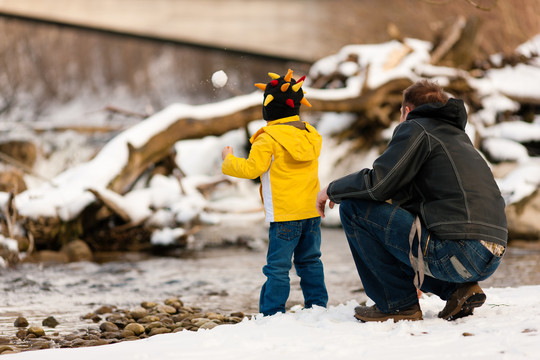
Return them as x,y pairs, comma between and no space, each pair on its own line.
259,160
392,171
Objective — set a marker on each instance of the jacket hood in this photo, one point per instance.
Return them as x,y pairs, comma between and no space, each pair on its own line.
453,112
302,145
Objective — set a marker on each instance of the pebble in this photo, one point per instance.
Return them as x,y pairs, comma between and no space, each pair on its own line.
138,313
104,310
108,326
50,322
175,302
166,309
4,349
208,325
148,319
136,328
92,316
40,344
214,316
35,330
148,304
152,325
199,321
159,330
21,322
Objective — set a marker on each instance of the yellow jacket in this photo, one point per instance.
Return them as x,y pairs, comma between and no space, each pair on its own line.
286,159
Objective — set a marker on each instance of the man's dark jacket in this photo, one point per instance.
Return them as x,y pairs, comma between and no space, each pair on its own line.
431,169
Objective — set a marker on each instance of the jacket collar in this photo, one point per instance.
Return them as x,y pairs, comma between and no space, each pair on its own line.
283,120
453,112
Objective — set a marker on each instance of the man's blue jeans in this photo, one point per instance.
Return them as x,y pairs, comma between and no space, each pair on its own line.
301,239
378,235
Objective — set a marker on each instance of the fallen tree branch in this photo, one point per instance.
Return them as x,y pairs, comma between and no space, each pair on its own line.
80,129
117,110
158,146
9,219
449,41
111,205
23,167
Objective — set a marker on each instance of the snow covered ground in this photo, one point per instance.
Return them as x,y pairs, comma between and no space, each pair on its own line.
506,327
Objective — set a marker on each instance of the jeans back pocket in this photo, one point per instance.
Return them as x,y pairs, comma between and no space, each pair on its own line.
289,230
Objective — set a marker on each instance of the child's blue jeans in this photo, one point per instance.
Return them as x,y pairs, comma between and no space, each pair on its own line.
301,239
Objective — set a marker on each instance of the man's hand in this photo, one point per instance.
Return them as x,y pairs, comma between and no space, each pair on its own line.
226,150
322,197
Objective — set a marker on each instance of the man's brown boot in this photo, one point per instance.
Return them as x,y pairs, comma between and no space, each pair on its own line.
372,313
463,301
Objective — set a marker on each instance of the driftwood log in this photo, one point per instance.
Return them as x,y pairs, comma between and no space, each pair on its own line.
158,147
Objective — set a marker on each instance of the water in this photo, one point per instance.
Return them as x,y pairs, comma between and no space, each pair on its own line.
217,279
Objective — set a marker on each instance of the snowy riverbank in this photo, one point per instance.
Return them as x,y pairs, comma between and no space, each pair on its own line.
228,280
506,327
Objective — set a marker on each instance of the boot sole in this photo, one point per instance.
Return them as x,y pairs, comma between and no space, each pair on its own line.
473,301
413,317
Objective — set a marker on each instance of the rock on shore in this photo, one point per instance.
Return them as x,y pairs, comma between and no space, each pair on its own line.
109,324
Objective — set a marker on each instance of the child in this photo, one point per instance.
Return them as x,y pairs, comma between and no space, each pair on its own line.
285,155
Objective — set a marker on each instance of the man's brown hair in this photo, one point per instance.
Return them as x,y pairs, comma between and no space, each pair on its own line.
424,92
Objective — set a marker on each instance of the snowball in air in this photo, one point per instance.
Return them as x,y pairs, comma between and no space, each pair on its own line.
219,79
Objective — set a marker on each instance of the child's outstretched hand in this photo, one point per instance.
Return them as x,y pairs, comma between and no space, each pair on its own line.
226,150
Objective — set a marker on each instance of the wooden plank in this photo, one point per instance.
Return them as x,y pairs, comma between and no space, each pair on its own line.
278,28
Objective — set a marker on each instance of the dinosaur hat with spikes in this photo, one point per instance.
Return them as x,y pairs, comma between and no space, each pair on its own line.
282,96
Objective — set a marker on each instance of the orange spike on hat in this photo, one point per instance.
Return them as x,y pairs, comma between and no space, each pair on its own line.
285,86
261,86
305,102
288,77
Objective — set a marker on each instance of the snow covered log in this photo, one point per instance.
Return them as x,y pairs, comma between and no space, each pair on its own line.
159,145
368,100
523,218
